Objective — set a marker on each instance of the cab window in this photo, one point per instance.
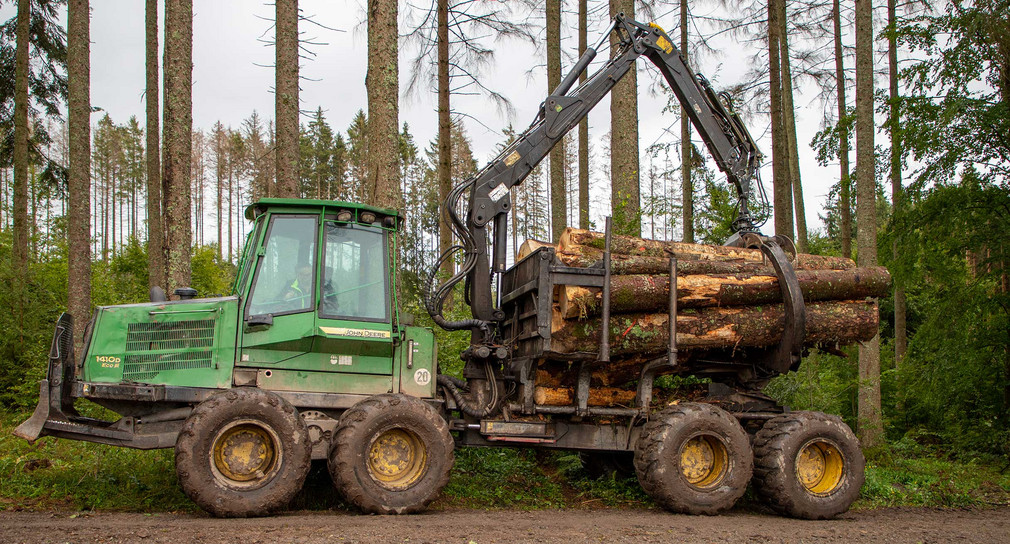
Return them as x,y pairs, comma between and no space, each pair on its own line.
284,279
355,279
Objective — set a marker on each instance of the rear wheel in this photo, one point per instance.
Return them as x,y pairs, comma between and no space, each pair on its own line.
243,452
391,454
808,465
694,459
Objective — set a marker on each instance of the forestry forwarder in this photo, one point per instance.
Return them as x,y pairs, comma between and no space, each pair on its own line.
309,358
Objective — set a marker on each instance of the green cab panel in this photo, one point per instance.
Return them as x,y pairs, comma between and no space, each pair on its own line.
316,382
416,360
184,343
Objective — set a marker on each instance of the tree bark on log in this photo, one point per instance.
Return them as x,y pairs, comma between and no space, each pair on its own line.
836,322
588,245
646,293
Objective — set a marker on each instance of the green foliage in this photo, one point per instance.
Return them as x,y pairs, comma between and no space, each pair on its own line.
955,379
211,276
823,382
716,209
83,476
958,113
501,478
47,84
934,482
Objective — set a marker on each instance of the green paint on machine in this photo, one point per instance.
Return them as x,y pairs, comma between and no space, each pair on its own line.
333,333
186,343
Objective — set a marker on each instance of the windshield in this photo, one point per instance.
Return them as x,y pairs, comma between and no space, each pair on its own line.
355,280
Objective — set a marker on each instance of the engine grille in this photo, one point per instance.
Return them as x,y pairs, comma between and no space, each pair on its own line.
175,335
188,344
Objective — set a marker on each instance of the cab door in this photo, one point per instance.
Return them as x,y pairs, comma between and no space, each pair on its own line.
279,317
354,332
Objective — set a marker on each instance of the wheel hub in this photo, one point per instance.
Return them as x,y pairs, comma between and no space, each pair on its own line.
245,453
396,459
704,461
820,467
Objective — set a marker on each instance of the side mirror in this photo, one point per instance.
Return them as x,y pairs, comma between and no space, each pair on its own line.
260,320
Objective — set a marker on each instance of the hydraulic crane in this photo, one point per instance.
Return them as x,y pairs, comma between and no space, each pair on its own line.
486,195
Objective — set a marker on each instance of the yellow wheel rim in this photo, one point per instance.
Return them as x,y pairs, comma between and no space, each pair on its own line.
396,459
704,461
245,454
820,467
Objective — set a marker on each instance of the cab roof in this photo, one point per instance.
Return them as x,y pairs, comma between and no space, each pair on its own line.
264,204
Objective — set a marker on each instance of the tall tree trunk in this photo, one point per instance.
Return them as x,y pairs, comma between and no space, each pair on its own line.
583,124
444,126
781,188
178,127
231,196
219,158
789,122
844,200
383,136
686,154
155,225
112,211
870,424
286,97
559,206
624,170
20,212
105,213
900,333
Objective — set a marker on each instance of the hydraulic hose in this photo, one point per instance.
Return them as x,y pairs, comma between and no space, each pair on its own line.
465,405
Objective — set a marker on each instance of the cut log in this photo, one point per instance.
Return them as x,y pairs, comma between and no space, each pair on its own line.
590,246
598,396
637,264
836,322
648,293
529,246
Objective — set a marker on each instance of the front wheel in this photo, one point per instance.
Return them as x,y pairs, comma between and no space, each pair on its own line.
694,458
391,454
243,452
808,465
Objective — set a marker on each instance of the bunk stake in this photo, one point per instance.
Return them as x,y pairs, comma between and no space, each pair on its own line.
644,395
585,369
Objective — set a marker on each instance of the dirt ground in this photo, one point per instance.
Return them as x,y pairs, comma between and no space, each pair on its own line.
608,526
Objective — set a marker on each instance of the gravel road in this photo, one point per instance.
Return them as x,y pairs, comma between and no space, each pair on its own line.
608,526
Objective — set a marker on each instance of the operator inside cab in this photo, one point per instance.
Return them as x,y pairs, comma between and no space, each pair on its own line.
300,289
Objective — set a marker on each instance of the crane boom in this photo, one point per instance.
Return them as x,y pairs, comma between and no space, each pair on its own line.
489,201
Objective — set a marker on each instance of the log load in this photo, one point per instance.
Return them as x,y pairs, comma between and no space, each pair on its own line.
729,304
645,293
832,322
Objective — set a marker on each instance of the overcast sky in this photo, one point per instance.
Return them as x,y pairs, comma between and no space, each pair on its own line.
233,76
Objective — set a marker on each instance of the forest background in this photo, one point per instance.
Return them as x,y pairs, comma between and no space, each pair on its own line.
925,193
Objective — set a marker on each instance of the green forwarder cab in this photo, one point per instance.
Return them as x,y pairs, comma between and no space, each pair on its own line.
250,387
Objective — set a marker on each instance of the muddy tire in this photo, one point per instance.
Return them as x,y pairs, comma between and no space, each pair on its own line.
694,458
391,454
808,465
243,452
